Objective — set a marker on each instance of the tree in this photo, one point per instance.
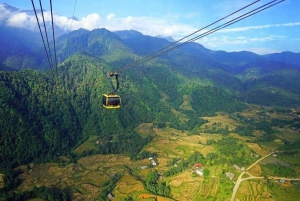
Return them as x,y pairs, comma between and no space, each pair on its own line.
206,172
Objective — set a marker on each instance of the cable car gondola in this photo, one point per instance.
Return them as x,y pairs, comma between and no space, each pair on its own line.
112,100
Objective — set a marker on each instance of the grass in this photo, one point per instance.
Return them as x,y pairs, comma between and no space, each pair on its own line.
255,170
89,144
258,149
186,105
151,197
284,192
144,129
221,118
88,176
292,159
253,190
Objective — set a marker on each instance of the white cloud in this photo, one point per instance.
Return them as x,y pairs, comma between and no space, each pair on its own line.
213,42
261,51
19,20
110,16
247,28
90,22
63,22
146,25
4,13
149,26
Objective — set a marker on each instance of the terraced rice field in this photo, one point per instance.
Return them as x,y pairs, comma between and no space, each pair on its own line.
253,190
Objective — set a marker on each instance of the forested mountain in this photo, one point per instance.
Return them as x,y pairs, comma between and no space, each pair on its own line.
262,66
46,114
18,47
100,43
234,59
287,57
41,107
33,117
141,44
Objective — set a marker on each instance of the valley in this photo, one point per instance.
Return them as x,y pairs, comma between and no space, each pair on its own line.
194,124
89,176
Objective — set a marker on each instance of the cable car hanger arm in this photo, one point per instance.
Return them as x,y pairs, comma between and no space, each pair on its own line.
116,75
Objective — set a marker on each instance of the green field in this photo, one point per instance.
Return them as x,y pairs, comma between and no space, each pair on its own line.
90,176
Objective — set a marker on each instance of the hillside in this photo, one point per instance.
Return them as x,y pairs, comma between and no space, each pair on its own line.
191,80
194,124
34,99
287,57
18,48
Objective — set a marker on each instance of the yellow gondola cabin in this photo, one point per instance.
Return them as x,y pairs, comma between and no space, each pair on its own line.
111,101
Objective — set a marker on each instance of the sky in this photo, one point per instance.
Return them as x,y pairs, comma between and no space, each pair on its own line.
273,30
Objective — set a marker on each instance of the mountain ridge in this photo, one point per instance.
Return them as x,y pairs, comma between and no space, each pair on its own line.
227,71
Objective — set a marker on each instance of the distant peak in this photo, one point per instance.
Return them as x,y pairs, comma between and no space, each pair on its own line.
10,8
74,18
168,38
129,33
135,32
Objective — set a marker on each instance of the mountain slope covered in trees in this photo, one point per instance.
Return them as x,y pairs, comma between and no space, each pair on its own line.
46,114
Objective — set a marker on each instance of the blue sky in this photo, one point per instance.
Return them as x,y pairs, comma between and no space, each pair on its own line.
274,30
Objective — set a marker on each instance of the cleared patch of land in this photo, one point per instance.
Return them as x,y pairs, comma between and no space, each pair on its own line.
222,119
255,170
186,105
90,175
258,149
89,144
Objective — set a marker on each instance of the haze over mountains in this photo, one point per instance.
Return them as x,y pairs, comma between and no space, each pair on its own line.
22,49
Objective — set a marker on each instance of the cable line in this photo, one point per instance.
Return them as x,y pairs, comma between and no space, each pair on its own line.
45,28
71,25
54,39
37,19
149,55
219,27
235,20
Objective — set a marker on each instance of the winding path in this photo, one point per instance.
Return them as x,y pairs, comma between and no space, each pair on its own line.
240,179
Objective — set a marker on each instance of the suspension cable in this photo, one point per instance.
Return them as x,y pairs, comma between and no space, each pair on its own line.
151,54
71,23
248,14
37,19
53,38
45,28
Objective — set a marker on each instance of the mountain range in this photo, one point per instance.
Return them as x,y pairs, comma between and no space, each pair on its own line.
39,102
233,71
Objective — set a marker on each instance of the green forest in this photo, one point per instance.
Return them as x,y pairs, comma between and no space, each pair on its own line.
44,117
47,113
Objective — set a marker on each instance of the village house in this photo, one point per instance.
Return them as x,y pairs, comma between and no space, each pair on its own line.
199,171
113,174
282,181
110,196
197,165
152,161
236,167
143,167
197,168
229,175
